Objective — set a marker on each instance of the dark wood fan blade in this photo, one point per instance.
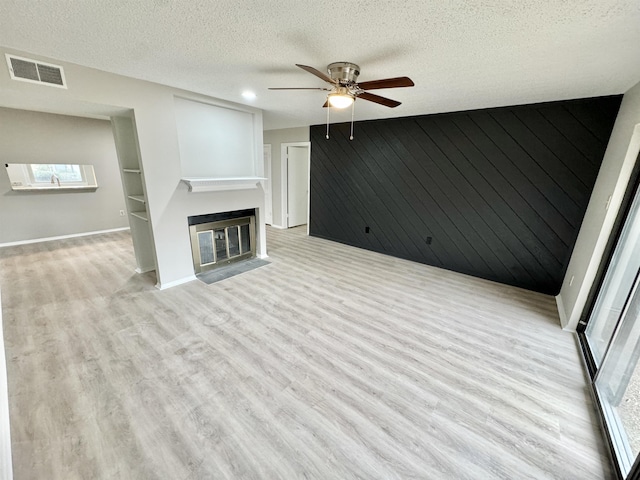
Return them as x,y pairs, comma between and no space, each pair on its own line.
387,102
317,73
298,88
387,83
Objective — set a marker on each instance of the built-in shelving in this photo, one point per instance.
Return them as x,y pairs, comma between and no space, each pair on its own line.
134,190
142,215
206,184
138,198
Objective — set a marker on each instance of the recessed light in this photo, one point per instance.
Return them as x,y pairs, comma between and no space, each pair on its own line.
248,95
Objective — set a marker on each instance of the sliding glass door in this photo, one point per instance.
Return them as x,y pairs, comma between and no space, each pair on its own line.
612,336
617,384
616,287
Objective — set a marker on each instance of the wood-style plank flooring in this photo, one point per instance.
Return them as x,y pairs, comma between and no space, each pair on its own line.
330,363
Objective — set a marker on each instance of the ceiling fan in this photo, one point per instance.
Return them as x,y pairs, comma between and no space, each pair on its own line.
345,89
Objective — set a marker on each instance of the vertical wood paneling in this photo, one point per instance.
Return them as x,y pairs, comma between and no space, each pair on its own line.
501,192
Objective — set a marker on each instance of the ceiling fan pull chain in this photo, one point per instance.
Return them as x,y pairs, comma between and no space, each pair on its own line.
353,109
328,108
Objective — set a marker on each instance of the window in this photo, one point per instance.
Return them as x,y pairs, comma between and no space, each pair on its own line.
51,176
54,173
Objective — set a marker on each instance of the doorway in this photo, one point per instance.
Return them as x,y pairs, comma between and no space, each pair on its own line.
296,160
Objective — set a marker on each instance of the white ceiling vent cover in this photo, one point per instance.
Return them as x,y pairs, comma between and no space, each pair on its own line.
27,70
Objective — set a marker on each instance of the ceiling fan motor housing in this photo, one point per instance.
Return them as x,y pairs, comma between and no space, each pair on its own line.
344,72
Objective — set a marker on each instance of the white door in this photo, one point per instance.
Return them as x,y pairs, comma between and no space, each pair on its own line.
268,196
298,185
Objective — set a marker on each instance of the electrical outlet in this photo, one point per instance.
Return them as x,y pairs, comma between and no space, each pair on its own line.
122,213
429,240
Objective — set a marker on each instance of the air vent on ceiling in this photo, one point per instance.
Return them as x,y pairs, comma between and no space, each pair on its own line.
27,70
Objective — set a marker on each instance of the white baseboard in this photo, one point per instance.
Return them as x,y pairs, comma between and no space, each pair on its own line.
175,283
279,227
262,256
564,321
61,237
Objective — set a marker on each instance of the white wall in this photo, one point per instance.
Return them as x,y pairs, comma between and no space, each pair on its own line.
153,105
33,137
276,138
612,181
214,141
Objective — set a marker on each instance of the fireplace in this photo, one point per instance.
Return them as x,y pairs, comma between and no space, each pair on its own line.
222,238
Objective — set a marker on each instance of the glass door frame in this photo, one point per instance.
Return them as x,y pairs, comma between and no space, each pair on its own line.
608,400
632,190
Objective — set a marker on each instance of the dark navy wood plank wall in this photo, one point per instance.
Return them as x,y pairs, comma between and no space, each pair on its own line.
497,193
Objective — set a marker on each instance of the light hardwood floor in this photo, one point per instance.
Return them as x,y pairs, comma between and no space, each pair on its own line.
330,363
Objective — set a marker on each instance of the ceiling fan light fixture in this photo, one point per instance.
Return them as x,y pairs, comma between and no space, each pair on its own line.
340,100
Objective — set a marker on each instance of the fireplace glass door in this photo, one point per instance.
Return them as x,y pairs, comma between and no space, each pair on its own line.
215,244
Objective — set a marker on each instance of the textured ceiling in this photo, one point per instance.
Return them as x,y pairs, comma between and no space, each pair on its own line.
461,54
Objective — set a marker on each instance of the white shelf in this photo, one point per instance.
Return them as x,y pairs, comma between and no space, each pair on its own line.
138,198
202,184
131,170
141,215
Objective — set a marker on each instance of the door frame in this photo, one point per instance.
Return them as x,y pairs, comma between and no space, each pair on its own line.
284,180
268,173
632,190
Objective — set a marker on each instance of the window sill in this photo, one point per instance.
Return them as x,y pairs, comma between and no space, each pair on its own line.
27,188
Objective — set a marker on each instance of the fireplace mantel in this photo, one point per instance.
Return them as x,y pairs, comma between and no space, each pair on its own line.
207,184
